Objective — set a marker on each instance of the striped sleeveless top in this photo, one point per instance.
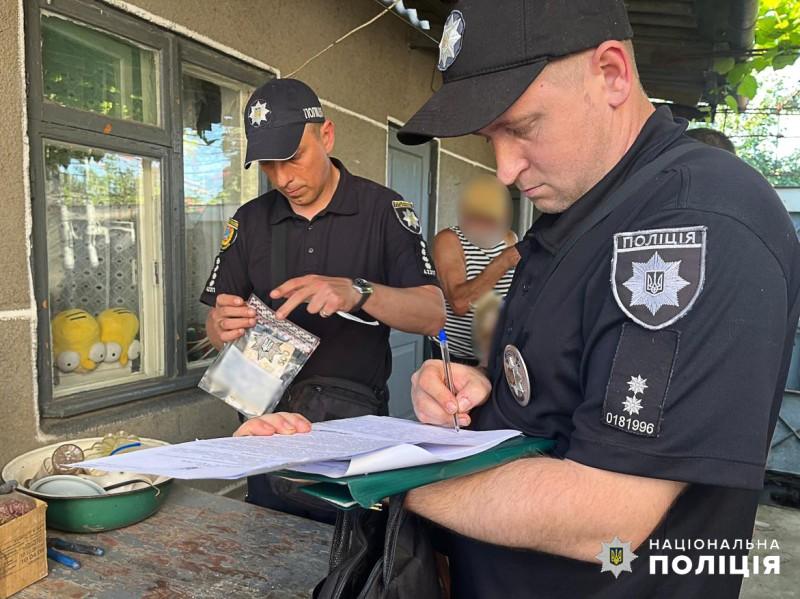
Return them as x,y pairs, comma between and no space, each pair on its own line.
459,328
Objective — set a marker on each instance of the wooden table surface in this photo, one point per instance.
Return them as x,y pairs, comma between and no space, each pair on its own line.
197,545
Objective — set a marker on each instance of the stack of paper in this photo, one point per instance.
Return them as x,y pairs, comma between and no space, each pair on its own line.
334,449
366,490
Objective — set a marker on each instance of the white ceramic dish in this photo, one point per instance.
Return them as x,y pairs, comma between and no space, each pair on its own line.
67,485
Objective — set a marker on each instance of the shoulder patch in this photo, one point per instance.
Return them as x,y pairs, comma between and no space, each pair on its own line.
657,275
405,214
231,230
639,381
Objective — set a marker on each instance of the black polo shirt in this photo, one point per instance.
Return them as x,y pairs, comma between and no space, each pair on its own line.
664,359
366,231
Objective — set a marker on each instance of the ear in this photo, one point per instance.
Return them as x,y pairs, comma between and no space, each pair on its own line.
612,61
327,133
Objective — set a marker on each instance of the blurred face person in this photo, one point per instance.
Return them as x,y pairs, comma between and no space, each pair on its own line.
309,175
484,211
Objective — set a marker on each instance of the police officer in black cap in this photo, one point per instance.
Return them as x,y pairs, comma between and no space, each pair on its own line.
339,255
648,330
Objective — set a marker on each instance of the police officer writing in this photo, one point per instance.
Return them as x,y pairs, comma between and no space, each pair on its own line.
341,256
648,329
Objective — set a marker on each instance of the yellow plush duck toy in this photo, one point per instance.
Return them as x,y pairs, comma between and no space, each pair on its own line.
76,341
118,330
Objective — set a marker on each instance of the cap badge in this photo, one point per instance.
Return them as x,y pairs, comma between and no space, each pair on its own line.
259,113
517,375
450,44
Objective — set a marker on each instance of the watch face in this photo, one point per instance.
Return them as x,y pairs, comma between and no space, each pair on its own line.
362,285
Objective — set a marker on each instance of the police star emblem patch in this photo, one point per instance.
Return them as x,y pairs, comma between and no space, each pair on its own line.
259,113
452,39
656,275
231,230
406,215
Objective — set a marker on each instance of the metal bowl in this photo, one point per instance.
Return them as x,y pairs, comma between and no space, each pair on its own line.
90,513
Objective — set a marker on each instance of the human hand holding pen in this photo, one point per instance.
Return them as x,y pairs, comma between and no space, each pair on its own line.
434,403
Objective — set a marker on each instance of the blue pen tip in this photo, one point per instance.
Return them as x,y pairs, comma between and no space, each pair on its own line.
442,336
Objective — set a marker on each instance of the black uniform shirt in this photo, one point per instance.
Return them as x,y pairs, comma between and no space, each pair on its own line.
366,231
665,360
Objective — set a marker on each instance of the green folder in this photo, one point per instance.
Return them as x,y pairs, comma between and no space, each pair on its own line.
366,490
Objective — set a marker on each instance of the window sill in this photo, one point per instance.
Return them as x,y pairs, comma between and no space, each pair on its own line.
108,397
102,419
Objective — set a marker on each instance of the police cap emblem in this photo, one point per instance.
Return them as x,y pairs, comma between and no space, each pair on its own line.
452,39
259,113
656,275
517,375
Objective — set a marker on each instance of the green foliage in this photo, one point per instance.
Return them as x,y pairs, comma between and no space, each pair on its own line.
92,176
756,132
777,40
88,70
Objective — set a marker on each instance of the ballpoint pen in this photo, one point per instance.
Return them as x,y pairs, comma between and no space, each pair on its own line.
63,545
447,374
62,559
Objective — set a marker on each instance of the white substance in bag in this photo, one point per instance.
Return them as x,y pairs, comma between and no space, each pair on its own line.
252,373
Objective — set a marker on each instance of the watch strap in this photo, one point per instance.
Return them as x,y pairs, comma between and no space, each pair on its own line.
363,300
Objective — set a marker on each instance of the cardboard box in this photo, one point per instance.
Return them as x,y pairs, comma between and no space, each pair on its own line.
23,551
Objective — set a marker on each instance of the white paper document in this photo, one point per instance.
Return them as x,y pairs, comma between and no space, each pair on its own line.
335,448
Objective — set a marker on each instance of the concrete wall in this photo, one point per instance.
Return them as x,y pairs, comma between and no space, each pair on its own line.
365,81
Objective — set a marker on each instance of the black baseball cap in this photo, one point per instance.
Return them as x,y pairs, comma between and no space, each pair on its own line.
491,52
275,117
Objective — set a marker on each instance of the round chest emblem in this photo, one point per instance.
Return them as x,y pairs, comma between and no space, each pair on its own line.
517,375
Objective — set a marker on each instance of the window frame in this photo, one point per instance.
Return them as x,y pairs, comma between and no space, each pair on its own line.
48,121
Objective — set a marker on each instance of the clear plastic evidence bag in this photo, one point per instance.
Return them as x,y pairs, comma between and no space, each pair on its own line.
253,372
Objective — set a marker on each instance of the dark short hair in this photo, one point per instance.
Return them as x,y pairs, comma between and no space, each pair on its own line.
712,137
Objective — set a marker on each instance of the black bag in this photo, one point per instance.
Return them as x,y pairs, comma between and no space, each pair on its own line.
320,398
384,554
316,398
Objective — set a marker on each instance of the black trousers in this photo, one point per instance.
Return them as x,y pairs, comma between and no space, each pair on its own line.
274,492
